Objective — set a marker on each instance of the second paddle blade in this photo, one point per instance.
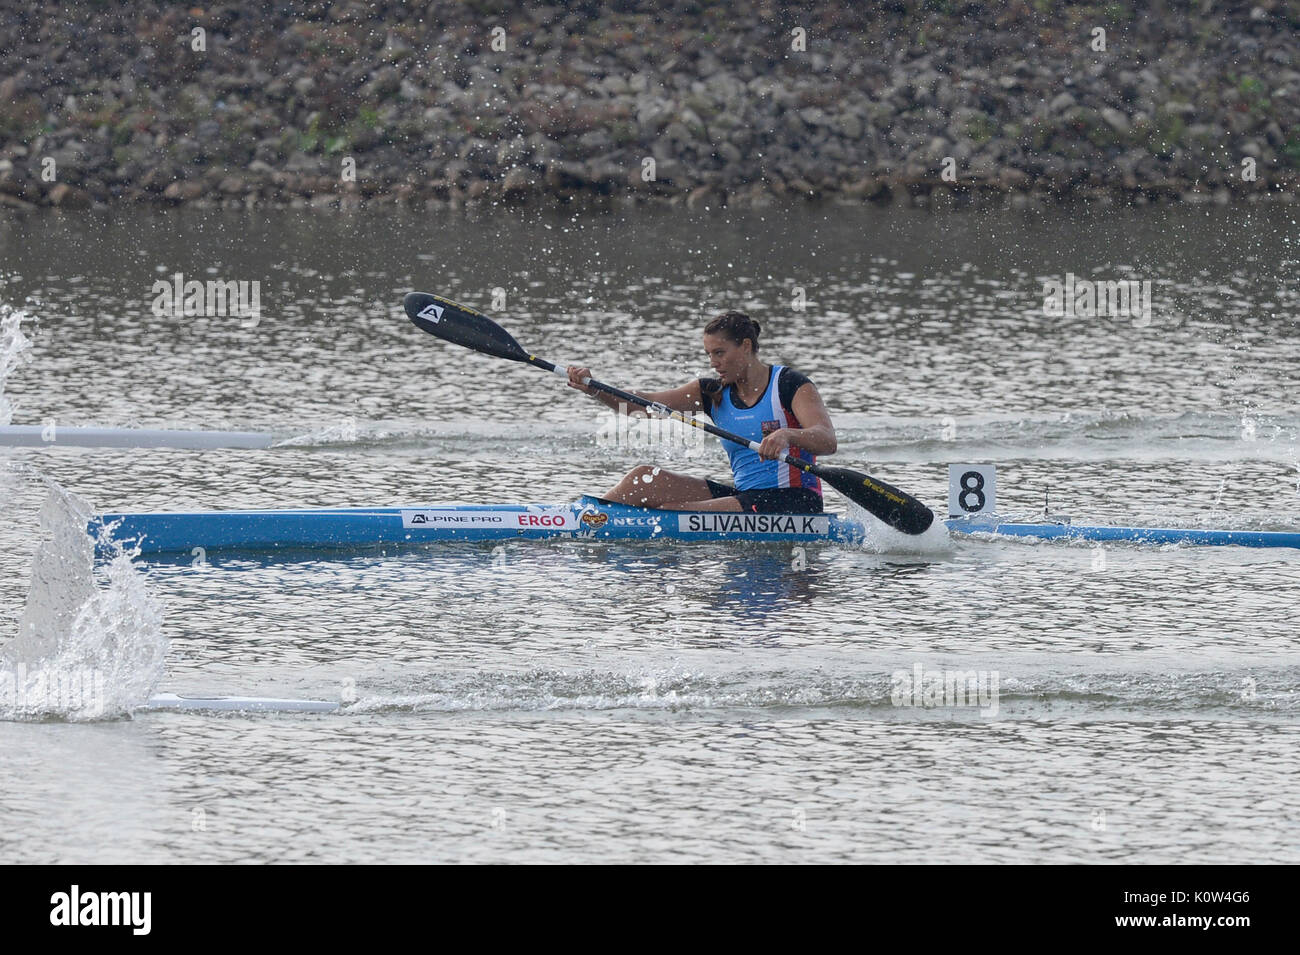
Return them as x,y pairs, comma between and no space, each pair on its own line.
461,325
896,508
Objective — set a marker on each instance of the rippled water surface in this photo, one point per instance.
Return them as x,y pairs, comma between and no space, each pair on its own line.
574,701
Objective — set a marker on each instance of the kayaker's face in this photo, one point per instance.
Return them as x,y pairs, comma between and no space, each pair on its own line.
728,359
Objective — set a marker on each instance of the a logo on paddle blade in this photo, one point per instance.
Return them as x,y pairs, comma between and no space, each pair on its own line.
431,312
594,518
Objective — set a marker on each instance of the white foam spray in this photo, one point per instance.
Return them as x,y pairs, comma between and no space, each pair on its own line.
882,539
13,345
82,651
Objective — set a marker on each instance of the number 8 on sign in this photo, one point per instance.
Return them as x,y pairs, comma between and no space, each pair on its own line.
971,490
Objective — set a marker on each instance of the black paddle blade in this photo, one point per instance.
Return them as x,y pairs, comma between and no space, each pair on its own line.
461,325
896,508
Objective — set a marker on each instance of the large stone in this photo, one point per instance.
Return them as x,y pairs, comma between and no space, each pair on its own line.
184,191
652,115
708,197
69,197
677,133
562,175
1115,119
512,151
1061,102
729,153
519,182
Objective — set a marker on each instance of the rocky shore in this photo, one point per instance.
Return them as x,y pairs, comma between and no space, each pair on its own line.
931,103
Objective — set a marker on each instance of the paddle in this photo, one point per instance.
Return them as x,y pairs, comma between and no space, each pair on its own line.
471,329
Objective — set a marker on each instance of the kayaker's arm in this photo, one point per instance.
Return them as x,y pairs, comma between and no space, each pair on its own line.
817,434
686,399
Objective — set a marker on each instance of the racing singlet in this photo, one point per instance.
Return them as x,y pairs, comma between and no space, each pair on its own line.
769,413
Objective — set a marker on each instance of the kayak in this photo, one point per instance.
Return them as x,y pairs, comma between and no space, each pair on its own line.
352,527
590,518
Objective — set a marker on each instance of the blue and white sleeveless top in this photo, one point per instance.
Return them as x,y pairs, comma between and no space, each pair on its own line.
769,413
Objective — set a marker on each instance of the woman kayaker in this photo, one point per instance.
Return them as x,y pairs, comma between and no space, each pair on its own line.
772,404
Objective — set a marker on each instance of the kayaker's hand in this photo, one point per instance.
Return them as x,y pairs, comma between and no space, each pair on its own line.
775,445
576,375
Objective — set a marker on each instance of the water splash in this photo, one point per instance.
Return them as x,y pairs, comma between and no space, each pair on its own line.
342,432
13,345
880,538
82,651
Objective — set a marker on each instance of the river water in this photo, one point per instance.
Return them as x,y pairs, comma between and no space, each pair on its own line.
585,701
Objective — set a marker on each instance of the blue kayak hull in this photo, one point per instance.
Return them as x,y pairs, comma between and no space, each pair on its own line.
356,527
168,532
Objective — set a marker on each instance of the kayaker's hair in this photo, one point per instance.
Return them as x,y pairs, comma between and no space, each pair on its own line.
735,325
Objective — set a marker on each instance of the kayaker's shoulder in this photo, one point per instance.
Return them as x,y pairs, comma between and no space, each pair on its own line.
791,381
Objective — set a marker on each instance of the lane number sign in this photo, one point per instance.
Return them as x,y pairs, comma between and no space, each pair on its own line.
972,490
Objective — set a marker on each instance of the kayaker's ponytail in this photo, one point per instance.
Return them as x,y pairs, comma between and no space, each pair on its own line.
737,326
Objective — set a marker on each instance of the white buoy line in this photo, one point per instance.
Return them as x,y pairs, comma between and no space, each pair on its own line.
54,436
